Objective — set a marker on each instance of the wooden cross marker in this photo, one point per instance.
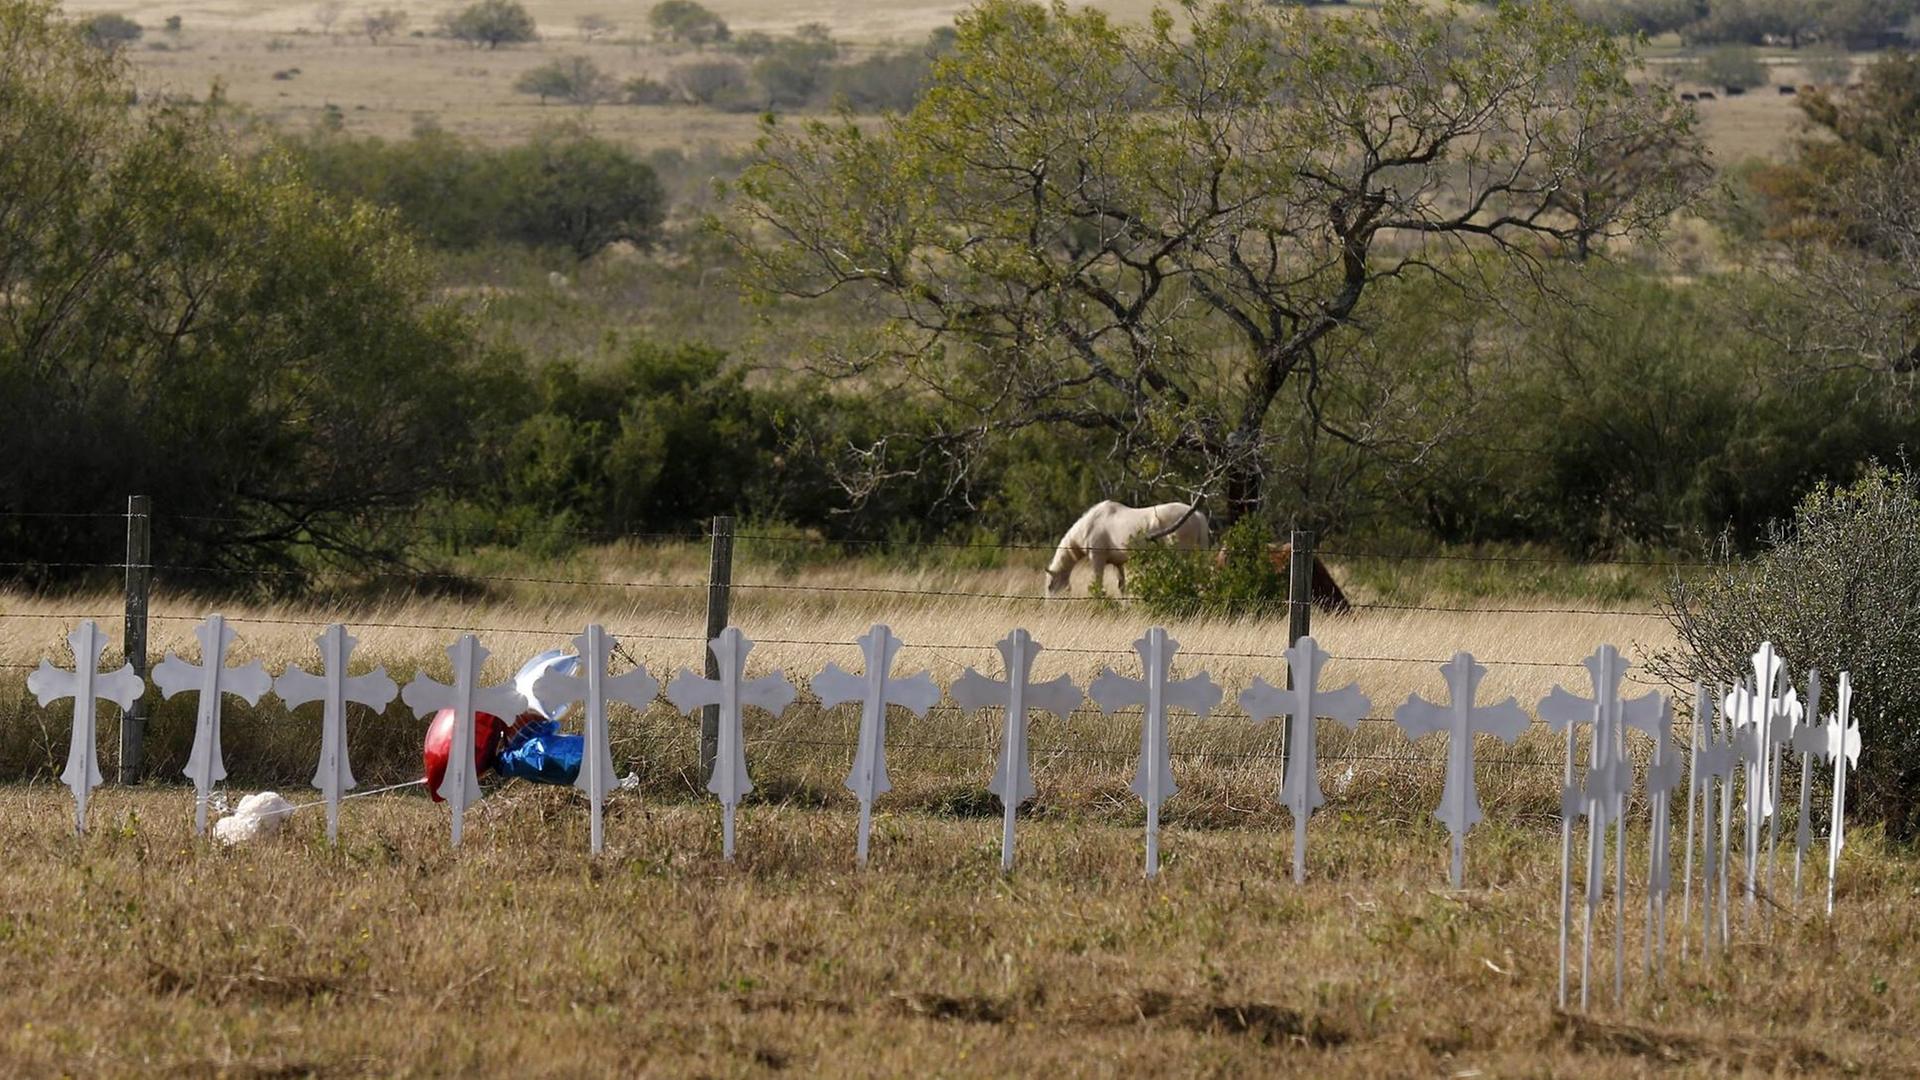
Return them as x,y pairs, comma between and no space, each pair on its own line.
1156,692
731,692
1017,694
594,688
1663,775
875,690
87,686
1460,801
1843,749
1810,739
1755,711
1302,705
1712,759
461,786
1600,799
334,690
211,678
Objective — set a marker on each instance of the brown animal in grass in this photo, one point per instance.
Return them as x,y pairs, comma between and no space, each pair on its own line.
1327,595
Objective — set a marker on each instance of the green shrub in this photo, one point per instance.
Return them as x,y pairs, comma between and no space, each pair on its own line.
492,23
1838,588
683,21
1734,67
111,31
1179,583
566,188
574,79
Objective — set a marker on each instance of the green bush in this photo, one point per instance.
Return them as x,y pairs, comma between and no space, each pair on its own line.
1836,588
492,23
566,188
200,324
574,79
684,21
1175,583
1734,67
111,31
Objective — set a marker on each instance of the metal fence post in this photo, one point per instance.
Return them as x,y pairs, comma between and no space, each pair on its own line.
139,583
719,592
1299,613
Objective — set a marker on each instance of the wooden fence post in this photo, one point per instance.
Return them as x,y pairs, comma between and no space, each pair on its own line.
139,583
1299,612
719,592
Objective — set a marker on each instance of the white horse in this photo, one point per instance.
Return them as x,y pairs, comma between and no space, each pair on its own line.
1103,533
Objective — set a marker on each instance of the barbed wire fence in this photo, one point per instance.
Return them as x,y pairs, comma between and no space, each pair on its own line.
140,574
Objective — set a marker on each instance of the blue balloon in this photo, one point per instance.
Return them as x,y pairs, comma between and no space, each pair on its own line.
541,754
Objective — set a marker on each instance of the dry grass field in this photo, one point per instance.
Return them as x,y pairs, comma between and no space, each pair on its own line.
387,88
139,950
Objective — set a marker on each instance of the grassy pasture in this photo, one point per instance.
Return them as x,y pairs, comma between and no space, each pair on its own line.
385,89
139,950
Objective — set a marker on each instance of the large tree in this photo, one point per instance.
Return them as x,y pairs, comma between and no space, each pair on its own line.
1843,218
1151,232
182,319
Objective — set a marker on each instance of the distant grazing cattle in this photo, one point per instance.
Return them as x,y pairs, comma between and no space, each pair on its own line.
1786,90
1689,97
1327,595
1706,95
1735,91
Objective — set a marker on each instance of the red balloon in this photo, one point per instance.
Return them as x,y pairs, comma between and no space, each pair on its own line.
439,746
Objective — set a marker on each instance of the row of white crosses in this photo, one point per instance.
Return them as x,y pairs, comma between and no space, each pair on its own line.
1156,692
1745,734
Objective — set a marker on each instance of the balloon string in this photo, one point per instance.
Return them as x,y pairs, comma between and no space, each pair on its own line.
356,795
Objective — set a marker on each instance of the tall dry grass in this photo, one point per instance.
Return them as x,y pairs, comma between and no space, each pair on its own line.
139,951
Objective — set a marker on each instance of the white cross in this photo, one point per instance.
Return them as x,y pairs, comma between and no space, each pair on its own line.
1013,775
1755,710
1303,704
1810,739
210,679
1600,799
593,688
1156,692
461,786
334,690
1843,749
86,685
1663,775
875,690
731,692
1712,759
1460,801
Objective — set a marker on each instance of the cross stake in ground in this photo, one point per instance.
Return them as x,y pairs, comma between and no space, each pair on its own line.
731,692
211,678
1013,774
334,690
1810,739
466,697
875,690
1460,801
593,687
1663,775
1156,692
87,686
1302,705
1843,748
